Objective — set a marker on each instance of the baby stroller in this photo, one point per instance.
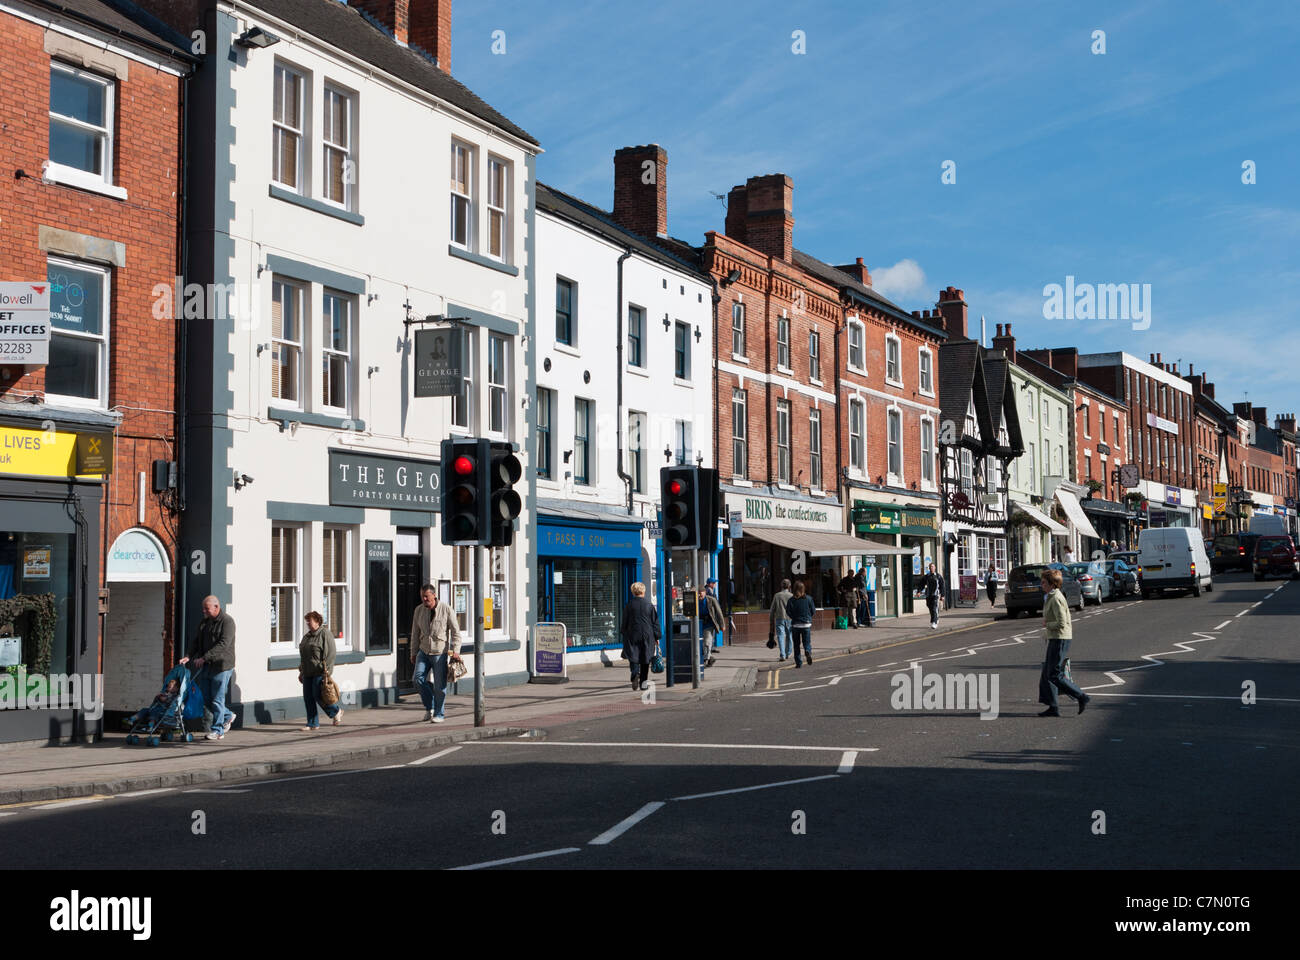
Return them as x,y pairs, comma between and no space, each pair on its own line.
178,700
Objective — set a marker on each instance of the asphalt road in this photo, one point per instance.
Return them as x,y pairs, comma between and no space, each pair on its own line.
1167,768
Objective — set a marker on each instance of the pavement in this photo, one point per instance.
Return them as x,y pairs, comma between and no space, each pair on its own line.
110,767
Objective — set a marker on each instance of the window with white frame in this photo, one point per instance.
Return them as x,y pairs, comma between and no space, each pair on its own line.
963,555
81,123
927,451
336,351
738,329
462,195
681,351
857,346
498,207
287,305
461,589
287,157
739,433
1033,400
682,450
582,441
815,449
336,575
636,449
635,336
286,583
858,434
1060,419
336,141
893,360
497,585
895,439
814,356
498,385
1047,457
462,405
926,364
982,550
1031,475
1046,414
545,440
79,320
783,343
783,441
967,472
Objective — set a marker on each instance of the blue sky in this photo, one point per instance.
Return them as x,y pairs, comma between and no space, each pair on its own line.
1124,167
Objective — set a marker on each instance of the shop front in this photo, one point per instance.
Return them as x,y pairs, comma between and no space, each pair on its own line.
49,578
1109,519
1170,506
915,532
587,562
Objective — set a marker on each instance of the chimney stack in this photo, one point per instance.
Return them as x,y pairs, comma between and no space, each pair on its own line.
737,211
769,215
952,307
1005,342
641,189
858,271
431,29
393,15
1286,423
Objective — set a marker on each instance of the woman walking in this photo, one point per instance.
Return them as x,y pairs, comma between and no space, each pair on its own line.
641,635
315,660
801,609
1060,630
991,584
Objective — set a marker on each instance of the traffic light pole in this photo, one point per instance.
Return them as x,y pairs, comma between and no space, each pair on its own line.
479,718
695,620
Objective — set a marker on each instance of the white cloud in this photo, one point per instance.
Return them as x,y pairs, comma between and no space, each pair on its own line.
903,280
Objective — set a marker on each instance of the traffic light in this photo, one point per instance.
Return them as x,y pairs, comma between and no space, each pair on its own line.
464,500
680,502
504,503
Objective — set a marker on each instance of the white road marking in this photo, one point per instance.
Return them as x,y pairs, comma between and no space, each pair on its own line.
529,856
1256,604
699,746
1118,681
626,824
846,761
1243,613
216,790
433,756
1222,625
834,680
73,802
1187,696
8,814
761,786
145,793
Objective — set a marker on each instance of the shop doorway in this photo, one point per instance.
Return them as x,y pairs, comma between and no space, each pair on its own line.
410,577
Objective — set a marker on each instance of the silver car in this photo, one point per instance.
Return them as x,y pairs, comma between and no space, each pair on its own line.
1094,582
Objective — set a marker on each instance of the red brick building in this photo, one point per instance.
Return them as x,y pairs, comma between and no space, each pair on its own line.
91,203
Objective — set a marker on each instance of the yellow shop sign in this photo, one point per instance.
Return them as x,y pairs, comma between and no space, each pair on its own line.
38,453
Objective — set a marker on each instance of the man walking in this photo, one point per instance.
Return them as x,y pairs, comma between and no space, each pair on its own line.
864,614
434,639
933,585
214,647
711,621
1060,630
848,588
780,618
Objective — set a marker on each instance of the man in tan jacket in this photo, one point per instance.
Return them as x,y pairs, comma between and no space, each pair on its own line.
434,638
1060,631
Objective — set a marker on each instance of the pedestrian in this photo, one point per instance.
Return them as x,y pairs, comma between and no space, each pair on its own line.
435,640
213,648
779,617
848,588
1114,548
1060,630
711,620
641,633
991,584
801,609
316,652
932,583
864,615
1067,556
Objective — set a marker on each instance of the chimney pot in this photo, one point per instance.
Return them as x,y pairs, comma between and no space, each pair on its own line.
952,308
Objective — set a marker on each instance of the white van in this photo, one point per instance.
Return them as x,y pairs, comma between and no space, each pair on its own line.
1267,525
1173,558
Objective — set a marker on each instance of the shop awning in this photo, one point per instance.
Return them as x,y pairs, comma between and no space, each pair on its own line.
1070,504
823,544
1040,518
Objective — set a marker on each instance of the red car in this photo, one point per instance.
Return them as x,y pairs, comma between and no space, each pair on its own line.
1276,556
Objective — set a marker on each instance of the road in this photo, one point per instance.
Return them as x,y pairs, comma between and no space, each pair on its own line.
1167,768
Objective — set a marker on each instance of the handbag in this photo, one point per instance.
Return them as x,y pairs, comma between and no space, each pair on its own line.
1065,671
657,663
456,669
329,691
771,638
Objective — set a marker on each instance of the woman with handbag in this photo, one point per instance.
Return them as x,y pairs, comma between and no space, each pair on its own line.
641,633
316,654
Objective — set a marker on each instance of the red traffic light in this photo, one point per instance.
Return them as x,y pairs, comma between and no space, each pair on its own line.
675,487
463,465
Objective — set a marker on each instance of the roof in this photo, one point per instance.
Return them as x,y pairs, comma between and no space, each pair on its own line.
599,221
843,281
128,20
344,27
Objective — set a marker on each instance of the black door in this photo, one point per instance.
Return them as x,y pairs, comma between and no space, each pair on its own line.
410,573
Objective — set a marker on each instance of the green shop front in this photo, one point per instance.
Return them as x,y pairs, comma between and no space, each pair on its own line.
914,531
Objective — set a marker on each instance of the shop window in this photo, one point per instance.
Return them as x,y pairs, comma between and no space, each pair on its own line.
79,299
37,591
963,555
286,584
336,576
461,601
588,600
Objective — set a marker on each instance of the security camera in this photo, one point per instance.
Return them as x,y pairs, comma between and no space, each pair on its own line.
242,480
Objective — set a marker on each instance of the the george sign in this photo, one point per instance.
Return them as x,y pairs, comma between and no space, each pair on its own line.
136,556
549,644
437,361
94,453
379,588
36,562
371,480
25,323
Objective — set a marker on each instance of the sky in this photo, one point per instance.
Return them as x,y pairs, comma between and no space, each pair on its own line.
1119,167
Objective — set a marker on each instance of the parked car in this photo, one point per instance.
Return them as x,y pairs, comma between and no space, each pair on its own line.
1276,557
1123,578
1093,581
1173,558
1233,551
1025,593
1128,556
